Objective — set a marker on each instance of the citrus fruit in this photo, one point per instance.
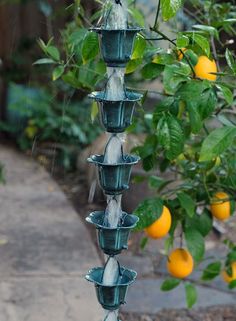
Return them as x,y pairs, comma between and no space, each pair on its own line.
180,55
161,226
180,263
205,67
226,277
220,206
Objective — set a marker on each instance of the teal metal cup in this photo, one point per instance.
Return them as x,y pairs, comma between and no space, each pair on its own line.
113,240
114,178
116,116
111,297
116,45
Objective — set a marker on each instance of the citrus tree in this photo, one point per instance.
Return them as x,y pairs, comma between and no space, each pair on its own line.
190,132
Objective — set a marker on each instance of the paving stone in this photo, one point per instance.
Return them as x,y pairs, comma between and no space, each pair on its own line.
145,296
142,265
45,249
43,298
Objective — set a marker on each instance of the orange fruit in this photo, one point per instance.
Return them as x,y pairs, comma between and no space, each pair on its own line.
220,209
180,55
161,226
180,263
226,277
204,67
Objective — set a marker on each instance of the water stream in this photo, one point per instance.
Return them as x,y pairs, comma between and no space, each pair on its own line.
113,211
115,84
117,19
113,152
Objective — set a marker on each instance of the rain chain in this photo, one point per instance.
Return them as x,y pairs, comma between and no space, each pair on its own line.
116,106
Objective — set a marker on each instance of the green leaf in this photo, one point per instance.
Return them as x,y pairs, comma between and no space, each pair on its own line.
158,182
191,94
44,61
209,29
132,65
231,258
217,142
168,243
148,212
182,41
57,72
232,207
230,60
202,223
151,70
211,271
42,45
139,47
155,181
163,59
170,284
90,47
169,8
176,138
53,52
208,103
202,42
148,162
149,147
88,76
94,111
227,93
195,243
232,285
163,133
192,90
163,106
143,242
224,120
191,295
170,135
194,116
187,203
174,75
71,79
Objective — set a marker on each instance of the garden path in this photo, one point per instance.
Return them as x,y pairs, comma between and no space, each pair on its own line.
45,249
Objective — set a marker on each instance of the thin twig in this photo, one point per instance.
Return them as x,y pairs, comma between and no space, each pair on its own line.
157,13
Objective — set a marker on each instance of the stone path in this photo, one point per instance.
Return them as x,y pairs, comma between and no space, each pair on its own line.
45,250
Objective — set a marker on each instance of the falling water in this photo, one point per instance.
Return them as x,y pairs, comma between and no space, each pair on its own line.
113,211
111,272
110,277
111,315
113,152
115,84
117,17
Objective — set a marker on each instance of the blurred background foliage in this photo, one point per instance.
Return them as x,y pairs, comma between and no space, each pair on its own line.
32,109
